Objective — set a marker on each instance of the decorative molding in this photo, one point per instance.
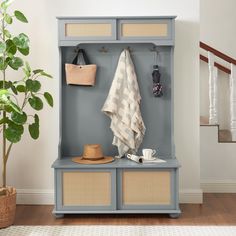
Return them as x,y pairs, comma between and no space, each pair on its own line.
223,186
46,196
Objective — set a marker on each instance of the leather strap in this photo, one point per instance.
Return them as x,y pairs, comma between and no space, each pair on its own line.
80,53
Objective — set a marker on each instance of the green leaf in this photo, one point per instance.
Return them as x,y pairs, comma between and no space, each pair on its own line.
19,128
36,103
24,51
21,41
48,98
27,73
8,19
27,66
34,130
19,119
37,71
4,121
27,70
45,74
8,109
15,63
3,92
21,88
2,47
7,33
36,119
12,135
3,64
20,16
5,99
5,4
13,132
33,85
11,47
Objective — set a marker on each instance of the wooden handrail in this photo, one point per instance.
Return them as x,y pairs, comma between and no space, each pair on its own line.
219,66
217,53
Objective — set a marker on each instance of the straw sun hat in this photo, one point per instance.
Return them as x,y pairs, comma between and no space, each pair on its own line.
92,154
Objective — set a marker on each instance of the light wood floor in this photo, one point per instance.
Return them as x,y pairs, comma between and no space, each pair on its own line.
217,209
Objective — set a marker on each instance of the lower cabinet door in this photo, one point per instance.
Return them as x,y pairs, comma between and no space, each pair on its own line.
146,189
83,189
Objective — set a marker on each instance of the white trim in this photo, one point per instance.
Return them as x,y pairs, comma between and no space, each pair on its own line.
35,196
46,196
191,196
233,102
219,186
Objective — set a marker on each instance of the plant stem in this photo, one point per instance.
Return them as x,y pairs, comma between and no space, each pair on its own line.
4,171
3,155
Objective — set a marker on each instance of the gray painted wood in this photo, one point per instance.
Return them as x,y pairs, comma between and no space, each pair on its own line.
74,43
115,17
67,163
119,212
81,120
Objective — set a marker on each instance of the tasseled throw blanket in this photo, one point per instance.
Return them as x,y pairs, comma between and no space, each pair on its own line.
123,107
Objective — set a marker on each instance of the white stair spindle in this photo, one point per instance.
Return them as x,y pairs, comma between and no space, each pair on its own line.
213,90
233,102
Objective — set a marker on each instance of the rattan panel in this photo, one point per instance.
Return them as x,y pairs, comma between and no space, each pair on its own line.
88,30
146,187
86,188
144,30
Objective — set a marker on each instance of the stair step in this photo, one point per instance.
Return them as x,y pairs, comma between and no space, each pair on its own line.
225,135
204,120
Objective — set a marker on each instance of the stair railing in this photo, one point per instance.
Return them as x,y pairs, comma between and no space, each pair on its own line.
213,84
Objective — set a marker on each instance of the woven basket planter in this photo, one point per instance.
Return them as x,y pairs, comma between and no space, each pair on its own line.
7,208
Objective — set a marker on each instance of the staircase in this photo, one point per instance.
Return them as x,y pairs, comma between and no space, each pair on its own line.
224,135
217,121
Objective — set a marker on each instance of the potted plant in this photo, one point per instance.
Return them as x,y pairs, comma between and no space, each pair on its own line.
15,96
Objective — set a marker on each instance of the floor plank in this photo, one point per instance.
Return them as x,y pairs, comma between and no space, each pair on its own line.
217,209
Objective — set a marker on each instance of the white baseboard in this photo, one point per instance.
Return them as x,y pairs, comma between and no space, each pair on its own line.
194,196
223,186
46,196
35,196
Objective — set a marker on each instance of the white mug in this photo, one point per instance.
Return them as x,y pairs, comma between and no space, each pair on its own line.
148,153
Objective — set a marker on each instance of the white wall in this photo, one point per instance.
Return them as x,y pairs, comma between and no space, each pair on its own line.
29,165
218,161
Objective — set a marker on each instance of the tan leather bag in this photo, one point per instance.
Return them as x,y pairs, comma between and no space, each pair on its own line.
80,72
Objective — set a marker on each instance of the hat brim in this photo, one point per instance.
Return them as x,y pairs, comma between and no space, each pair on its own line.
81,160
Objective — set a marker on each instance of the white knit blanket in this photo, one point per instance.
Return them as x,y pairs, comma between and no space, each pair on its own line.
123,107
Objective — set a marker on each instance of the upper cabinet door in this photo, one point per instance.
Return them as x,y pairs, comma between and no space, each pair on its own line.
152,29
88,29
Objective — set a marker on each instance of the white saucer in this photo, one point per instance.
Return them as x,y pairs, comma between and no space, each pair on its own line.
151,159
